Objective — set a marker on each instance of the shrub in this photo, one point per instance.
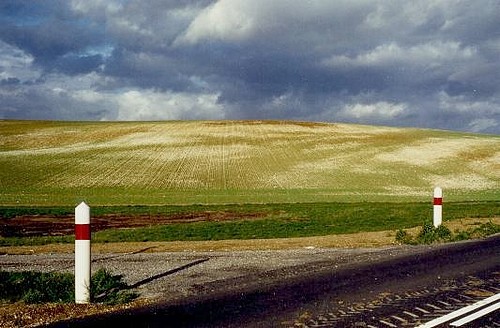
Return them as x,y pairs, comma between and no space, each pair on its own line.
443,233
110,289
42,287
485,229
36,287
462,235
429,234
403,237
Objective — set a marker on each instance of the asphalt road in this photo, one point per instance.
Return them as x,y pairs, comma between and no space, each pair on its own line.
365,295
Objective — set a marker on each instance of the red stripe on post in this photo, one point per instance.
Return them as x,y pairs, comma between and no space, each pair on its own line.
82,231
438,201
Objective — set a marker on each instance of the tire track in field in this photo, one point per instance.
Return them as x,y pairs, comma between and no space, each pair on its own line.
159,163
131,166
223,161
238,155
261,161
89,165
211,166
240,159
86,170
280,159
182,151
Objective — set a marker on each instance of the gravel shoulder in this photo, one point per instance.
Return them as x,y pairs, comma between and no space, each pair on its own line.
175,277
170,276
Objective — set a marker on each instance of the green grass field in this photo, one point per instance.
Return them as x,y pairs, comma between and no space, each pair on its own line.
273,221
239,162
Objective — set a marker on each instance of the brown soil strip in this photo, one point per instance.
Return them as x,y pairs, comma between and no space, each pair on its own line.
45,225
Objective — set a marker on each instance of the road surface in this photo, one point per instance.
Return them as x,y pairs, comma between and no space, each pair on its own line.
402,291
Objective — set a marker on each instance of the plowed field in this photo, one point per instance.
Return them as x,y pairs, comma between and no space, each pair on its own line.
50,163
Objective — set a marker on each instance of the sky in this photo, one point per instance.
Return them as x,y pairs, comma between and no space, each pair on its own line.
419,63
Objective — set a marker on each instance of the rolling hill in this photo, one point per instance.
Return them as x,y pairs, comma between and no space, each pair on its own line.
189,162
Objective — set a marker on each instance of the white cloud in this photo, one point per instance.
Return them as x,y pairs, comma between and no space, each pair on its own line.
415,13
146,105
483,124
148,24
381,110
15,63
227,20
476,115
277,21
426,54
462,104
97,8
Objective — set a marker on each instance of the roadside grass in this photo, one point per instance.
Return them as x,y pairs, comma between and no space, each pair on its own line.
429,234
36,287
44,287
276,221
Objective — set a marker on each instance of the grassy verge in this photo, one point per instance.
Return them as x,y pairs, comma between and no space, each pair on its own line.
41,287
276,221
430,234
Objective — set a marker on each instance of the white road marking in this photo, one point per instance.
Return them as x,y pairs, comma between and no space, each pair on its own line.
476,315
460,312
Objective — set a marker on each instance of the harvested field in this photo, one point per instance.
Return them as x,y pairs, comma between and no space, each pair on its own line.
62,163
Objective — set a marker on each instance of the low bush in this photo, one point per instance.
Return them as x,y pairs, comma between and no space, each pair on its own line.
486,229
110,289
403,237
430,234
42,287
36,287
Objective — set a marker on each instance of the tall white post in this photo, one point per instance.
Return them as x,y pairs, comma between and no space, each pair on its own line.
82,254
438,207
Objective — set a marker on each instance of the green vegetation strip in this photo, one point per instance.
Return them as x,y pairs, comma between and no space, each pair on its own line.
274,220
430,234
43,287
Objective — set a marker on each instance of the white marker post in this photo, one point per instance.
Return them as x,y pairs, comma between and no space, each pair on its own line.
438,207
82,254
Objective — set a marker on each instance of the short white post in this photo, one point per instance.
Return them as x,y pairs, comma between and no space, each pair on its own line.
82,254
438,207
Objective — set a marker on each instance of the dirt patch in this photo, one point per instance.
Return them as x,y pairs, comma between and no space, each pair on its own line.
39,225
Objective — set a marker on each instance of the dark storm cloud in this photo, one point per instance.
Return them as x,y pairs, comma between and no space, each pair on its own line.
50,32
420,63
